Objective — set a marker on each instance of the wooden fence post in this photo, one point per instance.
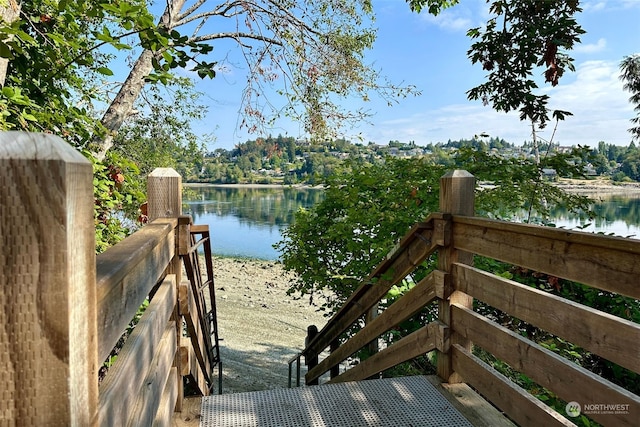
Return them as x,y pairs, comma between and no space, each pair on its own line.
164,200
164,194
457,198
48,332
311,360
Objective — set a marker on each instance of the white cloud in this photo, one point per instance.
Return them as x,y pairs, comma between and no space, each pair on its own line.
449,20
600,108
594,6
599,46
599,5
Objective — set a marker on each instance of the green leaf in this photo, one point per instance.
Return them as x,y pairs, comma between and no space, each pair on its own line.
105,71
5,51
29,117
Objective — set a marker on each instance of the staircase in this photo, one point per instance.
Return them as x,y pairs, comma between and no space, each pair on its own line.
390,402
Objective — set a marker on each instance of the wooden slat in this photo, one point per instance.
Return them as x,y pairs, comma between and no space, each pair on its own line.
196,335
519,405
603,262
150,395
164,416
199,228
608,336
416,344
410,303
183,354
184,234
414,248
120,387
568,380
126,273
470,404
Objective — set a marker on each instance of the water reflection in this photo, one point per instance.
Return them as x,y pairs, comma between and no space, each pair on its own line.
246,222
617,214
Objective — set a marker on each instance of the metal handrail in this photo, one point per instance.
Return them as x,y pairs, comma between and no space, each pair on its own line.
295,359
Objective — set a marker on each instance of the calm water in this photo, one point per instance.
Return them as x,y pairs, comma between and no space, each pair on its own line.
246,222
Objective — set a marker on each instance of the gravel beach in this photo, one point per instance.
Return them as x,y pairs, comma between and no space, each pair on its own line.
261,327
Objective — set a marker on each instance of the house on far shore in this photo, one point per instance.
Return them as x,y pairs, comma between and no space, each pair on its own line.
550,174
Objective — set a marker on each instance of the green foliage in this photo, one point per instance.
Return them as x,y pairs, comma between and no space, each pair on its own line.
515,184
160,135
434,7
520,36
119,193
366,209
630,75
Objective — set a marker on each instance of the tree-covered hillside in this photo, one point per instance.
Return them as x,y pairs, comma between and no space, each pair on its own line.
285,160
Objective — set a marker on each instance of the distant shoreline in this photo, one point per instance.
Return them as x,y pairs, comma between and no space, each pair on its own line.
587,187
206,184
599,187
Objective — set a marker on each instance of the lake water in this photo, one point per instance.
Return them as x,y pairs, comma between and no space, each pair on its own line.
247,222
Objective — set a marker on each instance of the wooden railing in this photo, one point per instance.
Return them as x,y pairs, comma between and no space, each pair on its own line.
607,263
63,310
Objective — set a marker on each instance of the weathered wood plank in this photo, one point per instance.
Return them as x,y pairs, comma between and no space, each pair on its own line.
519,405
608,336
150,395
48,358
184,234
411,303
470,404
603,262
126,273
416,344
164,416
191,413
414,248
183,354
119,390
568,380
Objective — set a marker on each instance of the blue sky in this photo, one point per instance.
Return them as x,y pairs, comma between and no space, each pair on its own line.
430,53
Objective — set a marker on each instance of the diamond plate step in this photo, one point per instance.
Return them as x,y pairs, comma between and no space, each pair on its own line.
389,402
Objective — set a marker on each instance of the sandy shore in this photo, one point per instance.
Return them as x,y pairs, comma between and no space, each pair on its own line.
599,187
261,327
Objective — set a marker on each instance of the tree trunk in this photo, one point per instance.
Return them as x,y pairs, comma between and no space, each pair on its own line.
122,105
8,14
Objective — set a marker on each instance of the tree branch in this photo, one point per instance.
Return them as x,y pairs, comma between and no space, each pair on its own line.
236,36
218,11
192,9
